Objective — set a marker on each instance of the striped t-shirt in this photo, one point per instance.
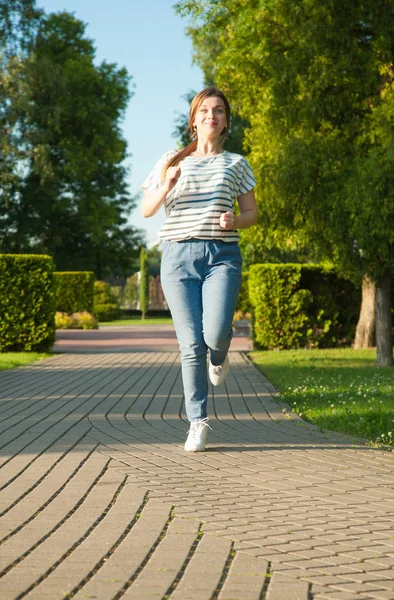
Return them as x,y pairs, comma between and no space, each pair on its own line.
207,187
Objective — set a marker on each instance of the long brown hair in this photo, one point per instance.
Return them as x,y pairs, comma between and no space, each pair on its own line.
208,92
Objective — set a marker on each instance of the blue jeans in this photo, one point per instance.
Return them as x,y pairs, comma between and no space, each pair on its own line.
201,280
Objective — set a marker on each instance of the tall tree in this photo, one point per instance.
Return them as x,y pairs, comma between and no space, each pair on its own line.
72,200
315,82
144,282
19,21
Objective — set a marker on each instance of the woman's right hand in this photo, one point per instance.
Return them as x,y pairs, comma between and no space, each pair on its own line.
172,176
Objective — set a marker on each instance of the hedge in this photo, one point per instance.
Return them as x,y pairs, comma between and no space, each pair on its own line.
27,309
244,305
298,305
74,291
106,304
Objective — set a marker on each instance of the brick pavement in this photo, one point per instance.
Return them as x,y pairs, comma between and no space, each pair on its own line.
99,500
135,338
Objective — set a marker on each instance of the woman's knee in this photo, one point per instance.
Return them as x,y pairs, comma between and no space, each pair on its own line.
218,340
193,349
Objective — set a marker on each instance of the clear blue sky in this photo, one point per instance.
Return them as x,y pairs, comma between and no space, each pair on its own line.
149,39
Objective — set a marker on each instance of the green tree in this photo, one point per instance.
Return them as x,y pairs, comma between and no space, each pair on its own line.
154,261
144,282
70,198
315,82
19,21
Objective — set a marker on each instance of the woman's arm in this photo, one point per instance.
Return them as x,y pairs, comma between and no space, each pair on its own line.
152,201
248,216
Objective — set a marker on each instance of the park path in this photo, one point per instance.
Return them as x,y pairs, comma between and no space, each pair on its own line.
99,499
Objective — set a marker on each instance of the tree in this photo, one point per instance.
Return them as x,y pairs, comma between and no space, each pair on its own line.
365,330
144,283
70,198
19,21
154,261
315,82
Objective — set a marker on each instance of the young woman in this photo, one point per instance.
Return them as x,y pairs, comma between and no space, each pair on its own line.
201,261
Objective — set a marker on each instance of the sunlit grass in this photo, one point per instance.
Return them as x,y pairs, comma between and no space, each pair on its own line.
9,360
340,390
138,321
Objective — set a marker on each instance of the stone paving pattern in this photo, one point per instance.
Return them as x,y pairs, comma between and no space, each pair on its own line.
99,499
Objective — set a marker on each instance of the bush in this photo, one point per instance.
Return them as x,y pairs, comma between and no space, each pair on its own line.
280,309
85,320
298,305
106,304
334,312
64,321
82,320
74,291
130,295
244,306
26,303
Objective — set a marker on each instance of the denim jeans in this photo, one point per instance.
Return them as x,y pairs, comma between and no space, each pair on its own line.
201,280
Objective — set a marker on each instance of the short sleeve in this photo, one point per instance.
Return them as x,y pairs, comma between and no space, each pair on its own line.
247,180
152,182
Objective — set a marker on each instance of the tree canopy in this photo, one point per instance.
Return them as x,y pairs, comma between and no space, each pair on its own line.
63,167
315,81
308,77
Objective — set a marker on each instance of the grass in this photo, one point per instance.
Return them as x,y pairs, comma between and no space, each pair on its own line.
9,360
336,389
138,321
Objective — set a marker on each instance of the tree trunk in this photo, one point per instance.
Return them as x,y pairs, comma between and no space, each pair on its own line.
384,342
365,331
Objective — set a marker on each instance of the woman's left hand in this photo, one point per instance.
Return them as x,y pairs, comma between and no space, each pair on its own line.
227,220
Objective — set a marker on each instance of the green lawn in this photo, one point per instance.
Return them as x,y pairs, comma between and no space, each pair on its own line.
138,321
341,390
8,360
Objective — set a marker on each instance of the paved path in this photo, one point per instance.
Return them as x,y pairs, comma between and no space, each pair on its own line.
131,338
99,500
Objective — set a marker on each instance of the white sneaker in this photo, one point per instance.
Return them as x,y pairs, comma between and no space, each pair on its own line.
198,436
217,374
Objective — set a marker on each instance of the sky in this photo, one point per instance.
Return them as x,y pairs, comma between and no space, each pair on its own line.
149,39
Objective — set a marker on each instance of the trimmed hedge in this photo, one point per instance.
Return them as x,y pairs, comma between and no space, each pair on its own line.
106,303
27,309
305,306
243,304
74,291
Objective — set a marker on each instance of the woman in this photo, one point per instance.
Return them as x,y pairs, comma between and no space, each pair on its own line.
201,261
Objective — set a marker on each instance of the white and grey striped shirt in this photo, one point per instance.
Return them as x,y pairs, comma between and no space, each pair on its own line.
207,187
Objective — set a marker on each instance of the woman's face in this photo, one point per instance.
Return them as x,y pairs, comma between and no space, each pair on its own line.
210,118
